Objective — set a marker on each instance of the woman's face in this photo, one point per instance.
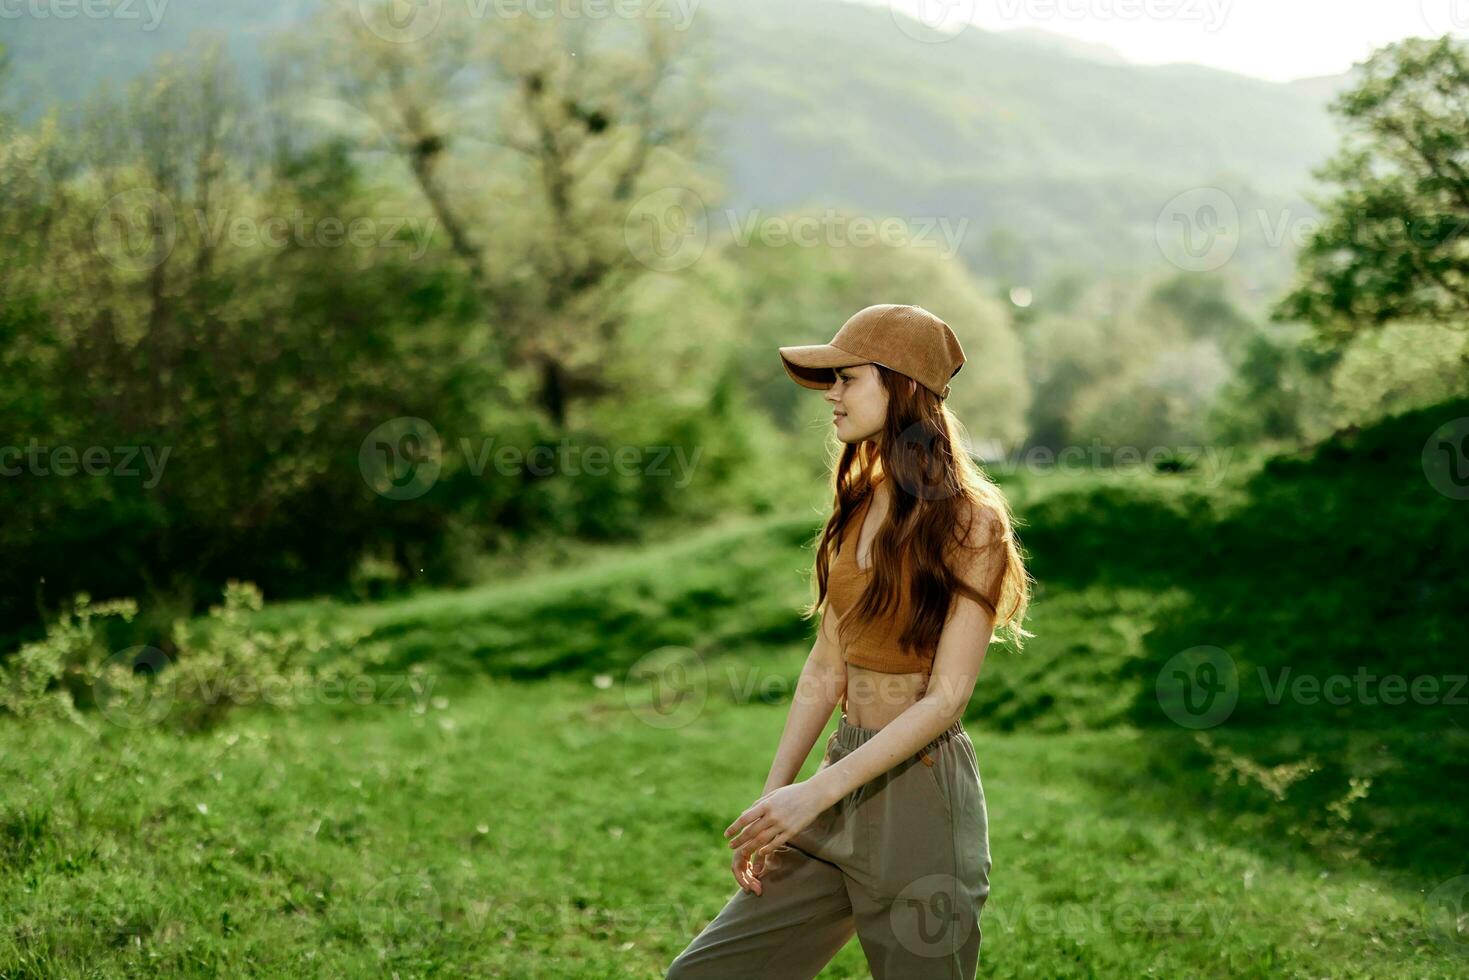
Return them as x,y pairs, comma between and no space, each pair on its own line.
859,401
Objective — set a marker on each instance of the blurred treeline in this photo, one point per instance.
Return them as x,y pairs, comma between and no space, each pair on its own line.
177,284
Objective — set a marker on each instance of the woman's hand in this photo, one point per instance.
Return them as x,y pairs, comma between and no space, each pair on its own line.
774,819
747,871
748,868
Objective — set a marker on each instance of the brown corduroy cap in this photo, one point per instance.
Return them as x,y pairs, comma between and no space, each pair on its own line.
906,339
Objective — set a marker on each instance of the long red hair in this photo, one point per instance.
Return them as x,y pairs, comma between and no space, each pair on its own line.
938,494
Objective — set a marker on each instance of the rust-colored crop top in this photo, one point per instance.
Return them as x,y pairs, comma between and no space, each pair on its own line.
874,645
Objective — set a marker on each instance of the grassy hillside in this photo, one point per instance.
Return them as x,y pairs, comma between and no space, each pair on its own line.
1327,565
574,809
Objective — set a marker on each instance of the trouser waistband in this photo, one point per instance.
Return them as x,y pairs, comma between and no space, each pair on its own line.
850,736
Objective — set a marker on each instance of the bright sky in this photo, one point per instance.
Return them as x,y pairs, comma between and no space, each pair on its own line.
1275,39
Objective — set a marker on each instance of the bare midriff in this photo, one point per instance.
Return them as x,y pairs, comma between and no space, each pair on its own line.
875,697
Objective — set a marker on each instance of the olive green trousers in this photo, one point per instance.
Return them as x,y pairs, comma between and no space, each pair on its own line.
903,862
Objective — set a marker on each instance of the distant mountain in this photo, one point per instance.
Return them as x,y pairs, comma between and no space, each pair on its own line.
1055,160
1048,153
1324,88
1087,50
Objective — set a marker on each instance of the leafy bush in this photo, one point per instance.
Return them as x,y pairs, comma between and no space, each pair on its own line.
218,664
33,681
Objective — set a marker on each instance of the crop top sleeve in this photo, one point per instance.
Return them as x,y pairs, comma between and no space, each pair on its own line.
980,561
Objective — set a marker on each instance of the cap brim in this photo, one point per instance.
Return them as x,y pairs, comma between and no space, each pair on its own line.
813,365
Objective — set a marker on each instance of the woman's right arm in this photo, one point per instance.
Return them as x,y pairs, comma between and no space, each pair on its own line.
821,685
823,681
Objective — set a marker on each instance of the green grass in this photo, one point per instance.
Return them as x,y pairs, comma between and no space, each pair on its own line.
544,829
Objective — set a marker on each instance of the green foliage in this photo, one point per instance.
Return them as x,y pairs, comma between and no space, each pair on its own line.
215,666
1139,364
1360,585
1392,242
246,377
1279,391
5,71
226,661
39,680
229,384
374,578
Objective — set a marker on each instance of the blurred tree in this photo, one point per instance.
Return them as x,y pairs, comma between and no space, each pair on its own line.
1278,386
190,379
1393,242
1006,260
1063,291
587,126
1139,362
801,294
1199,307
175,280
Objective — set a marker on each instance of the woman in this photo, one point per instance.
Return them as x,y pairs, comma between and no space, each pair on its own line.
890,837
